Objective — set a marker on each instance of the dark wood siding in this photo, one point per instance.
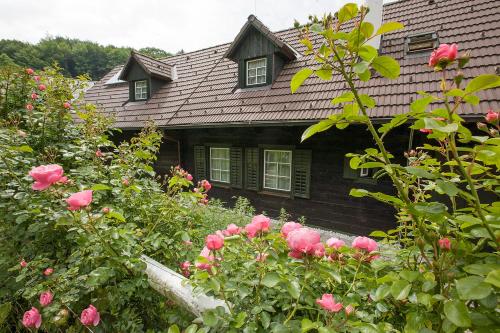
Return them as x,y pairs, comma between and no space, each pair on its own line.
254,45
329,204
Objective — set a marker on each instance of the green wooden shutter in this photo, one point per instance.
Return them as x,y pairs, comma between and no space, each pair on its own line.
200,162
236,166
302,173
348,172
241,73
252,180
270,68
131,91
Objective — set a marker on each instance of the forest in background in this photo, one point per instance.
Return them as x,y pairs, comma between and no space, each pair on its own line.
74,56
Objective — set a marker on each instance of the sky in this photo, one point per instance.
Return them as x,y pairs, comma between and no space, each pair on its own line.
170,25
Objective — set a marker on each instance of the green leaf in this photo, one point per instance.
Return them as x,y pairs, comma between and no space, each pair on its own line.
240,319
445,186
174,329
472,287
101,187
480,269
420,172
5,309
367,52
493,278
386,66
455,93
293,289
324,73
457,313
347,12
482,82
400,289
209,318
191,328
366,29
307,325
419,105
382,292
367,101
299,78
433,208
345,97
321,126
116,215
271,279
23,148
388,27
360,67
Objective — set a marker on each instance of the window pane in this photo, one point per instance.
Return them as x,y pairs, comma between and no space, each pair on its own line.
261,71
284,170
285,157
225,176
271,169
270,182
284,183
272,156
278,166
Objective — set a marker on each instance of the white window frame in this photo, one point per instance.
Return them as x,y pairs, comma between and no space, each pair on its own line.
364,172
278,176
141,93
256,76
221,170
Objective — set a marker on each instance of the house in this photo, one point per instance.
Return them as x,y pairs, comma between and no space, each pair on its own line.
228,114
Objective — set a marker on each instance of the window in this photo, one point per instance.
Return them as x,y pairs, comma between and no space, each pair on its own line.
256,71
278,169
364,172
424,42
219,164
141,90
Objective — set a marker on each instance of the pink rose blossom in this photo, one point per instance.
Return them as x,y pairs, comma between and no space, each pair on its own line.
335,243
30,71
491,116
23,263
303,240
36,78
444,244
214,242
79,200
319,250
29,107
46,298
32,318
364,243
48,271
231,230
98,153
90,316
185,265
205,253
327,302
189,177
206,185
67,105
42,87
289,227
34,96
125,181
260,223
105,210
45,176
445,53
295,254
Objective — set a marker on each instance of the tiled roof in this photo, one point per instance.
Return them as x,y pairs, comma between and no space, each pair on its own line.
153,67
205,94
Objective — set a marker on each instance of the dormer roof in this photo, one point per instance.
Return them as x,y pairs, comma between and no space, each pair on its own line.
153,67
286,50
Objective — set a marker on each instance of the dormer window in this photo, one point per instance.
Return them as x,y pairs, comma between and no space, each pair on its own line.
141,90
256,71
421,43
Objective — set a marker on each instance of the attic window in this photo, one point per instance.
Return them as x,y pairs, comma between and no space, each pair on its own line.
141,90
256,71
421,43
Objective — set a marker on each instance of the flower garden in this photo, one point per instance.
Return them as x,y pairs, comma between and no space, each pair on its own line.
78,212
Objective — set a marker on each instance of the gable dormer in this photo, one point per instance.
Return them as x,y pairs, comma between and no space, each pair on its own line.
145,75
259,53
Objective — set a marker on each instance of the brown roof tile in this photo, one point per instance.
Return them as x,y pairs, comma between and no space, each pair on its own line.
205,91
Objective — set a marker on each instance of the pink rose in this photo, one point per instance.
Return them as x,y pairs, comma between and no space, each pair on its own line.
23,263
32,318
98,153
90,316
289,227
29,107
42,87
304,240
45,176
79,200
36,78
185,265
205,253
364,243
46,298
214,242
189,177
48,271
295,254
67,105
425,130
491,116
260,223
319,250
206,185
231,230
125,181
34,96
30,71
327,302
335,243
444,244
105,210
444,54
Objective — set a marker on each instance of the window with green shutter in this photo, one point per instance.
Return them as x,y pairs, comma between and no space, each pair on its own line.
252,167
360,175
236,167
302,173
200,162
